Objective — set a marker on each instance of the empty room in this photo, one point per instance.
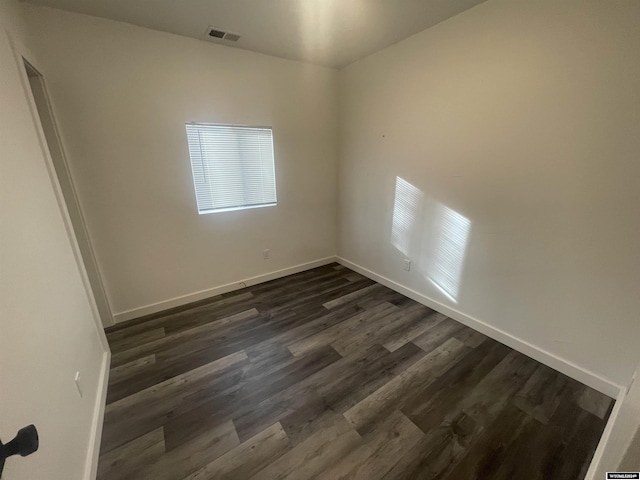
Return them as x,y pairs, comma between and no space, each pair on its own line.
300,239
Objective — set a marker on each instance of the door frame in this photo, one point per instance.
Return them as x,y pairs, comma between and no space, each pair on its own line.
24,57
23,54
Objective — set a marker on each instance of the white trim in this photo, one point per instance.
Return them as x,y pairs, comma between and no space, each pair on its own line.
212,292
264,127
93,454
562,365
108,316
21,53
594,466
25,55
234,209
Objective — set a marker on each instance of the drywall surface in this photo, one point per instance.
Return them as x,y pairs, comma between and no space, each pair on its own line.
498,151
122,94
48,331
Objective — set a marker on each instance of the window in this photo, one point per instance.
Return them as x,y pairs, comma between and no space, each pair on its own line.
232,166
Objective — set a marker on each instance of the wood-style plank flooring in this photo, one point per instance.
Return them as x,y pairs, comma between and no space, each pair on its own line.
327,374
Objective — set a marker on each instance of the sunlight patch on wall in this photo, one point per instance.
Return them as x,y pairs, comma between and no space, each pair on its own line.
406,204
444,259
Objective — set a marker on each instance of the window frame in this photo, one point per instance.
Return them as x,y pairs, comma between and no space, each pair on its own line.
239,207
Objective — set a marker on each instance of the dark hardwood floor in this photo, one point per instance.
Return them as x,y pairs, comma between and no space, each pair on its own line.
327,374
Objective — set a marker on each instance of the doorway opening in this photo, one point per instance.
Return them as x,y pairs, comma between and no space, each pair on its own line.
84,254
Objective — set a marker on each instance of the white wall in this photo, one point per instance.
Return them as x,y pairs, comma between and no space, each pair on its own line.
519,121
122,94
48,330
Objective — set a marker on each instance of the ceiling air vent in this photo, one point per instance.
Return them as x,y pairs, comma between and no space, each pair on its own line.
232,37
213,32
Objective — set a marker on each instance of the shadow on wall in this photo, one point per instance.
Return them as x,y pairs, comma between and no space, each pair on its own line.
442,242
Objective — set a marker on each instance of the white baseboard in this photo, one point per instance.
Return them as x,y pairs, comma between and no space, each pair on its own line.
93,454
212,292
557,363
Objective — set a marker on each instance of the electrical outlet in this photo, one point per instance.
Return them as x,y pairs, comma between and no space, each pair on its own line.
266,254
407,264
78,384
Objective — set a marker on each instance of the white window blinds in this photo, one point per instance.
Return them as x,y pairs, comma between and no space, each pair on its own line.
232,166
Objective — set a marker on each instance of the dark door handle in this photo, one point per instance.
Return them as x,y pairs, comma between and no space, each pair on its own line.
25,443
